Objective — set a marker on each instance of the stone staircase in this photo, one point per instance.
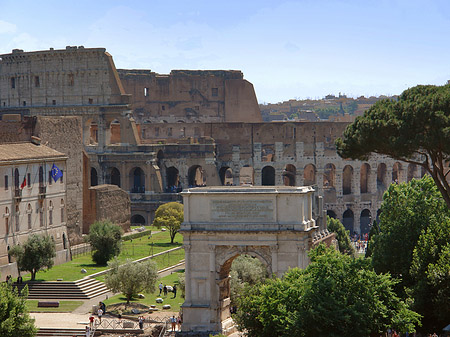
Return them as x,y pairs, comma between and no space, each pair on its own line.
58,332
83,289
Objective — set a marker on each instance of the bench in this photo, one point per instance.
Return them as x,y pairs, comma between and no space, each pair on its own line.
42,304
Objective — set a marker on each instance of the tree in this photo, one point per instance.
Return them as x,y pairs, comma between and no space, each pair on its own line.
415,129
132,278
105,240
169,215
336,295
245,270
14,318
342,236
35,254
406,211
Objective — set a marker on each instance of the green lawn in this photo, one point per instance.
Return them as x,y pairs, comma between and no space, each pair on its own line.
133,249
150,298
64,306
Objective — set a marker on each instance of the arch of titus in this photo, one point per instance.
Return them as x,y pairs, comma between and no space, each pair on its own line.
273,224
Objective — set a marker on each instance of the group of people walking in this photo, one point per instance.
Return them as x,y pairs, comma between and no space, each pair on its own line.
164,289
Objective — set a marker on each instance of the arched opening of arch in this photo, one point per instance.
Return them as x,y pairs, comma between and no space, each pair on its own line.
268,176
347,177
246,176
114,129
329,175
114,176
381,177
195,176
364,178
137,220
226,176
173,180
412,172
348,220
365,221
309,175
93,133
137,180
94,177
396,172
331,214
289,175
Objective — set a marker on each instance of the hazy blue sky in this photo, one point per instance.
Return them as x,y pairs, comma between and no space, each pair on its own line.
287,49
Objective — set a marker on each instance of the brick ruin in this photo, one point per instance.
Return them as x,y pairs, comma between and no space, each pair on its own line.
153,135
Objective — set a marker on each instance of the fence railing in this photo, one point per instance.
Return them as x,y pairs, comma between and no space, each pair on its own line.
81,249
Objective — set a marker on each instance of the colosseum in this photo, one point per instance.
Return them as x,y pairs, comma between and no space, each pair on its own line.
154,134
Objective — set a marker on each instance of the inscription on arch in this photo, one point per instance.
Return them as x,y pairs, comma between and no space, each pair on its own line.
247,210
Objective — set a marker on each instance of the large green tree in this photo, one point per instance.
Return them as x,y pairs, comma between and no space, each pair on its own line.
342,236
169,215
35,254
14,318
336,295
406,211
105,239
132,278
415,129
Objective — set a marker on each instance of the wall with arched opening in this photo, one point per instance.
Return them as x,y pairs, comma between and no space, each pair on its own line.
268,176
94,177
381,177
309,175
348,220
226,176
347,177
364,178
195,176
365,221
247,176
137,182
289,173
138,220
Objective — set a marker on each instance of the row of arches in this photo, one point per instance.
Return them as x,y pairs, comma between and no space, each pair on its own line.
348,220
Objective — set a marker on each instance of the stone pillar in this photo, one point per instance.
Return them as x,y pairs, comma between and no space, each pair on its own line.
372,183
299,151
299,179
124,181
188,285
148,171
274,252
279,177
278,151
236,157
319,180
258,177
257,152
212,277
356,181
101,131
338,182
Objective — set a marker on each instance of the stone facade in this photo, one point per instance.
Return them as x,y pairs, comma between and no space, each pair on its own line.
31,202
273,224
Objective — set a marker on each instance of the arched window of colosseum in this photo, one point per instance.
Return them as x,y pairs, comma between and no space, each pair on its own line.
268,153
114,129
93,133
268,176
137,220
347,177
412,172
114,176
309,175
289,175
396,169
195,176
329,175
348,220
226,176
173,180
137,180
365,221
94,177
364,178
381,177
331,214
246,176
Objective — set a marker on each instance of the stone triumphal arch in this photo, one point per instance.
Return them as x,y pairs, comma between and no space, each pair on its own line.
273,224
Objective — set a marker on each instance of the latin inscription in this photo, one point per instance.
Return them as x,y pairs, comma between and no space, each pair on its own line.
242,210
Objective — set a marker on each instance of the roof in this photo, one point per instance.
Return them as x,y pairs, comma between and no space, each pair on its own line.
28,151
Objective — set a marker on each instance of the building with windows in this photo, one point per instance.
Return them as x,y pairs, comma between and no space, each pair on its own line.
31,201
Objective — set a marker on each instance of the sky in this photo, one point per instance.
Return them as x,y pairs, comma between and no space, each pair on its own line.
287,49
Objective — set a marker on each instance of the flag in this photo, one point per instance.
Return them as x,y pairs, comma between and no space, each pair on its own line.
24,182
56,173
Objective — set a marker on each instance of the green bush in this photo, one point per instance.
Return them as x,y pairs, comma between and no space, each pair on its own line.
105,239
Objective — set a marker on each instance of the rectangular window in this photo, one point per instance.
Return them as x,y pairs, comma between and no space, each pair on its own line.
6,183
7,225
24,103
156,132
146,92
50,217
54,102
62,214
13,82
214,92
62,177
169,132
50,177
29,179
41,217
29,220
37,83
91,101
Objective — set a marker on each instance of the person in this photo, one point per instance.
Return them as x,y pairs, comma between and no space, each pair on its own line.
100,314
165,290
141,322
173,320
91,321
174,290
179,323
160,288
88,331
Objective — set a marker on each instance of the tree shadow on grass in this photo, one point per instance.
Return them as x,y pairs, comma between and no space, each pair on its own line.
164,244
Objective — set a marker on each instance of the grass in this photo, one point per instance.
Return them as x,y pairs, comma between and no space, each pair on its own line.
150,298
133,249
64,306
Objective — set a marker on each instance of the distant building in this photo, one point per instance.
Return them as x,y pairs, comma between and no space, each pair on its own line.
31,202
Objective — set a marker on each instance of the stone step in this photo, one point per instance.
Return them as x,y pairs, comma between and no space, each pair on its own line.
59,332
